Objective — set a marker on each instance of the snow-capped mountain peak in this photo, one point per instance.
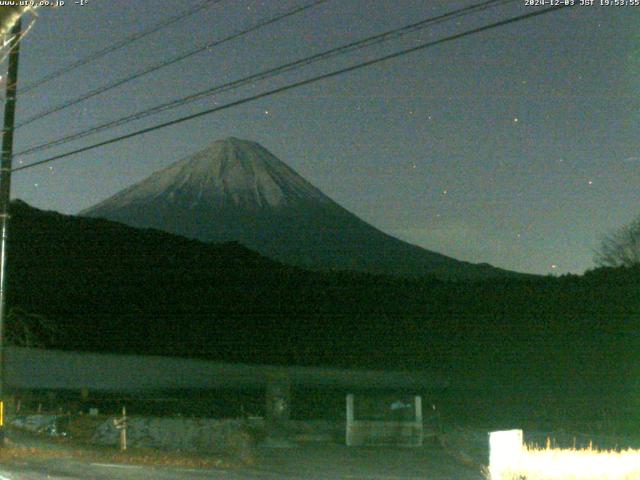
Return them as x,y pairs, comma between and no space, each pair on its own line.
236,190
230,172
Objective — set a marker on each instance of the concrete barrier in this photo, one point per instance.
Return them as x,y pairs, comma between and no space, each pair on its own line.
505,451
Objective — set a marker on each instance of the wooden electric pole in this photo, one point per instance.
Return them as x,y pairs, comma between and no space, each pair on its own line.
5,195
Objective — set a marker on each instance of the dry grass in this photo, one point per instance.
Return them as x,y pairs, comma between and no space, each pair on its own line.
67,448
154,457
11,452
574,464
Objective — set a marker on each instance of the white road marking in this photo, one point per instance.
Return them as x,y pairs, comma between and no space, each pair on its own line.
113,465
380,477
196,470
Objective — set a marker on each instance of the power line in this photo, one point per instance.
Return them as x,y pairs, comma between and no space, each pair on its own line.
168,62
350,47
301,83
118,45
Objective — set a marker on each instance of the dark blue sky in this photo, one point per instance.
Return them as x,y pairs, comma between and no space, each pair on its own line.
518,146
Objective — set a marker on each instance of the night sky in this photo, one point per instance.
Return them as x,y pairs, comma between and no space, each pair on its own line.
519,146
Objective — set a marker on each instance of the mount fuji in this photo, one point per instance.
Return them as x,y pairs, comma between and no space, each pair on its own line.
236,190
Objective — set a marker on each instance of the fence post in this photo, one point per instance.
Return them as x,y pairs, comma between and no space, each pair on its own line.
121,424
123,432
350,420
505,450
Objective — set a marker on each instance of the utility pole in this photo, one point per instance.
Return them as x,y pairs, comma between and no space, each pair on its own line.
5,195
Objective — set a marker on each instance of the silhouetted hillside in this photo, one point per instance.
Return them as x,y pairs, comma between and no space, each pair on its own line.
237,190
109,287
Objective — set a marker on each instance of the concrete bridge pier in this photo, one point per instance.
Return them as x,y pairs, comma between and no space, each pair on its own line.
278,410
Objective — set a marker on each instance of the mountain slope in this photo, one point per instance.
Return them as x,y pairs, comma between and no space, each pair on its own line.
108,287
236,190
113,288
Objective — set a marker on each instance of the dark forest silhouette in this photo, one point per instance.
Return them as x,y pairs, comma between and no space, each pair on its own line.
108,287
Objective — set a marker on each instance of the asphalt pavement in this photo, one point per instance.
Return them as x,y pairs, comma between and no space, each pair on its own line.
317,462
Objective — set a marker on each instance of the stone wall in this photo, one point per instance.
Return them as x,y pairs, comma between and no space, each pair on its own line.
184,434
177,433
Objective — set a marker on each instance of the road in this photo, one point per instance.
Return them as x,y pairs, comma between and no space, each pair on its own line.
317,462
